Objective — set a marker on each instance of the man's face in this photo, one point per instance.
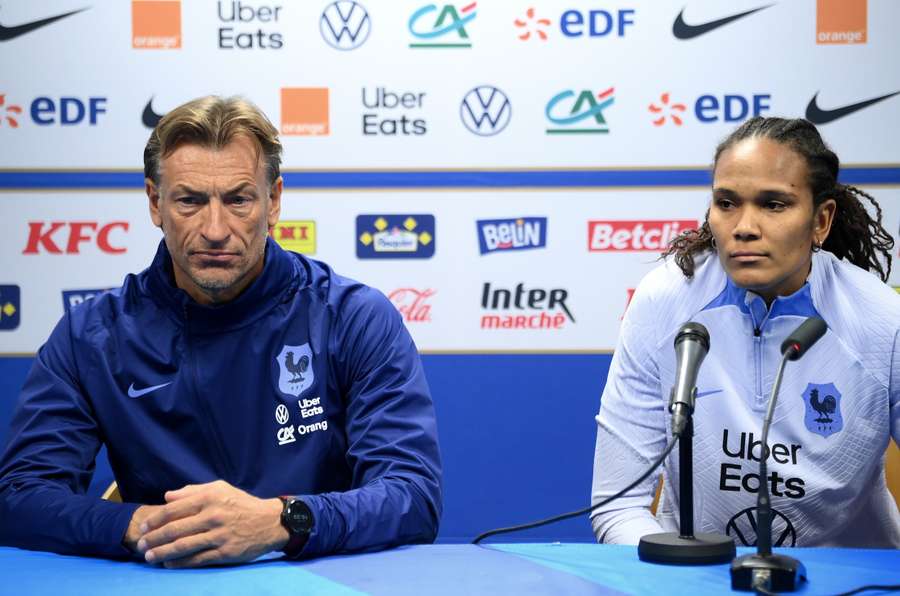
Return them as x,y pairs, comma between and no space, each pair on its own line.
762,217
215,209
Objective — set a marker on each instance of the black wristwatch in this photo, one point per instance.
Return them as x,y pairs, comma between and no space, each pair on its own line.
297,519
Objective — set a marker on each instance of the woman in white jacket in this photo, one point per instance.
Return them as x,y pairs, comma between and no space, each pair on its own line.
782,240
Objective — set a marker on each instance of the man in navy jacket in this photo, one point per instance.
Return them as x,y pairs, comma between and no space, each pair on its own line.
251,399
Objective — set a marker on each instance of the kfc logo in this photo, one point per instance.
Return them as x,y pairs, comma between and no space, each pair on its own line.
655,235
412,304
59,237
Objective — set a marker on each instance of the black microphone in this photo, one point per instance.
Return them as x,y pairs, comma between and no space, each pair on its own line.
809,332
765,571
691,346
684,547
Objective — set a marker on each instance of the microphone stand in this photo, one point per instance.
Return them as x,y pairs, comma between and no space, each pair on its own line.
778,573
685,547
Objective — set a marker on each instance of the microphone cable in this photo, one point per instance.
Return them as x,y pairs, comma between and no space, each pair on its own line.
556,518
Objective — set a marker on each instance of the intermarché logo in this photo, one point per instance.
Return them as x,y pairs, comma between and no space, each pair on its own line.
447,30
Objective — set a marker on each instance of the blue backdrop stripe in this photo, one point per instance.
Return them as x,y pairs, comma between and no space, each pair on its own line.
677,177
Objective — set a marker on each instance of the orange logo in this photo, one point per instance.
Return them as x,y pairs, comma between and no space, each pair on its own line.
296,235
156,24
304,111
11,109
841,21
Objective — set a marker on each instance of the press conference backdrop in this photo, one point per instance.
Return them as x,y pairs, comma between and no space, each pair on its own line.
506,172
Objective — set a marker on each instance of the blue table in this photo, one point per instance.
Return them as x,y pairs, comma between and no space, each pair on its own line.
557,569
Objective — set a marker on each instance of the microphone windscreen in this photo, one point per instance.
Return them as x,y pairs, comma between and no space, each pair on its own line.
694,331
804,336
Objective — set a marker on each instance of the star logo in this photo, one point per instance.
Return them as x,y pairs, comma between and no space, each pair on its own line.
9,110
667,110
532,25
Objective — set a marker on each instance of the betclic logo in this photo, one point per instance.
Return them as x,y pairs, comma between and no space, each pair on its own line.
635,235
61,237
47,111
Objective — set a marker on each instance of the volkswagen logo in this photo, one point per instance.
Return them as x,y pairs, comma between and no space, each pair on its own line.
485,110
742,527
345,25
281,414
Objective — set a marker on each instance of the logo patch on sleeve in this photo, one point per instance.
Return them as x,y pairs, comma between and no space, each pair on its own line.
823,409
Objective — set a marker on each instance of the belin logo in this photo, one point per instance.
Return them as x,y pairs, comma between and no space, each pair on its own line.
580,113
485,110
443,27
511,234
156,24
345,25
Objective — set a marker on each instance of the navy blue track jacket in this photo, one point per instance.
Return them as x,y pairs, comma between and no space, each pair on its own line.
307,384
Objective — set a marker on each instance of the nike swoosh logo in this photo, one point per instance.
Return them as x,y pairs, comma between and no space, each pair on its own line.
149,117
7,33
704,393
817,115
132,392
682,30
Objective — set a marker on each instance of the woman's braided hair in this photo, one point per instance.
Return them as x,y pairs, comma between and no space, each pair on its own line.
855,235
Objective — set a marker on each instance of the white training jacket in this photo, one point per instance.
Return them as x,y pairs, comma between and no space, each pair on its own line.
838,407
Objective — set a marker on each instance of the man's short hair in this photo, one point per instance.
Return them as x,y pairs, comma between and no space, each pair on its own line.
213,122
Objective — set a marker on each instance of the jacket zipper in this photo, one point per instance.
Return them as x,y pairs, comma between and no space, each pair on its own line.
219,454
757,356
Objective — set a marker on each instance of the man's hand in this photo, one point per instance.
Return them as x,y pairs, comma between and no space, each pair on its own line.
208,524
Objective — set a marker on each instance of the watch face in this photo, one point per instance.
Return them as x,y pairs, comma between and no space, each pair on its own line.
299,517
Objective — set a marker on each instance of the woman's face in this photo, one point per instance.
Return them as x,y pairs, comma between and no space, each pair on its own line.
762,217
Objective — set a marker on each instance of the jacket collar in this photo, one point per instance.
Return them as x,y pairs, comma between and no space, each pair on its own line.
798,304
279,280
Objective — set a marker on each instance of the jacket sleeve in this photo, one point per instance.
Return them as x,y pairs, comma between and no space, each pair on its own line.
631,431
391,436
894,389
48,463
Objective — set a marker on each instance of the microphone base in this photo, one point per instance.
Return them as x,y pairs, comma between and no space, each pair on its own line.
701,549
776,573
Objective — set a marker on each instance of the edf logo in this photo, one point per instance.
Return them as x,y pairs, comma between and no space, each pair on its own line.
66,111
596,23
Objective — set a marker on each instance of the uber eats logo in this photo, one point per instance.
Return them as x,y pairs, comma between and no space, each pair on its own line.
247,26
392,113
746,448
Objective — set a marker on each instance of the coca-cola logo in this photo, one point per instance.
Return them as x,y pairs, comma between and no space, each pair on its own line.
633,235
413,304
